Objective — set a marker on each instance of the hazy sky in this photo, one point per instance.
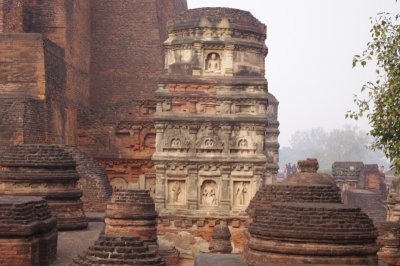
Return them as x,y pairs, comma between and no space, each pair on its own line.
311,45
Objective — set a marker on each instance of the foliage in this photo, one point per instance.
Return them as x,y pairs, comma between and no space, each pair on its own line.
380,102
345,144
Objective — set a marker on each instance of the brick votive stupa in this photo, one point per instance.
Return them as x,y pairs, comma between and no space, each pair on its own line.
118,250
309,226
28,233
132,213
389,240
221,239
46,171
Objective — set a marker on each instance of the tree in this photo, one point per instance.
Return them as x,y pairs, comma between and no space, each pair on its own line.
381,100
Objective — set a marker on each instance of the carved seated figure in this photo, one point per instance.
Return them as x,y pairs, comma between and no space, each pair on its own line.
213,64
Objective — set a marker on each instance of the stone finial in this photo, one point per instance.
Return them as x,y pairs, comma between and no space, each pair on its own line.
308,166
221,242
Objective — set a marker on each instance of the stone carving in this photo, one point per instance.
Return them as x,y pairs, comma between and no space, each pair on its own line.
241,192
209,142
213,63
119,183
243,144
176,192
176,141
209,190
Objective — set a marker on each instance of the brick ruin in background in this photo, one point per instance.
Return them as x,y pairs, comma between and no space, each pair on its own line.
28,233
308,227
47,171
211,121
362,185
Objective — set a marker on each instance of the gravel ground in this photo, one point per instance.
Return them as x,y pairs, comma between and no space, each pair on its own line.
72,243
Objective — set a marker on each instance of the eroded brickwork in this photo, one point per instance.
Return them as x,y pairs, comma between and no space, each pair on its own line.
28,234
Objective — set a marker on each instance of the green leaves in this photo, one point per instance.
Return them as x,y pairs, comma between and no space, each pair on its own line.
381,103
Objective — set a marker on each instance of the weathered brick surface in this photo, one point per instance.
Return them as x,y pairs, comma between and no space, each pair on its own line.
132,212
389,239
28,234
118,250
11,15
47,171
370,202
93,181
22,64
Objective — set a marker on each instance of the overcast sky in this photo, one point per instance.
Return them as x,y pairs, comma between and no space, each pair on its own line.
311,45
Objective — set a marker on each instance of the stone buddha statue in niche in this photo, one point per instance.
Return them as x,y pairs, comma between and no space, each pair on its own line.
213,63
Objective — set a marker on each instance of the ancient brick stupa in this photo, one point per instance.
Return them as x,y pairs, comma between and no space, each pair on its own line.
111,250
132,213
28,233
309,226
46,171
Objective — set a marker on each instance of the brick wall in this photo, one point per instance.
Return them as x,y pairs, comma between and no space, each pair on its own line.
21,64
11,15
77,53
46,17
56,105
22,88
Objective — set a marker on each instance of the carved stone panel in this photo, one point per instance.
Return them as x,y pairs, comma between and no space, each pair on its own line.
176,192
209,193
241,193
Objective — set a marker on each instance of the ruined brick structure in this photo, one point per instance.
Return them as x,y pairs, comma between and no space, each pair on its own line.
389,239
126,60
46,171
132,213
221,239
28,233
93,181
309,227
118,250
393,201
362,185
211,121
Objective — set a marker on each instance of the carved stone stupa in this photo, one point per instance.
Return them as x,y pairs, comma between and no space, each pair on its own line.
211,119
